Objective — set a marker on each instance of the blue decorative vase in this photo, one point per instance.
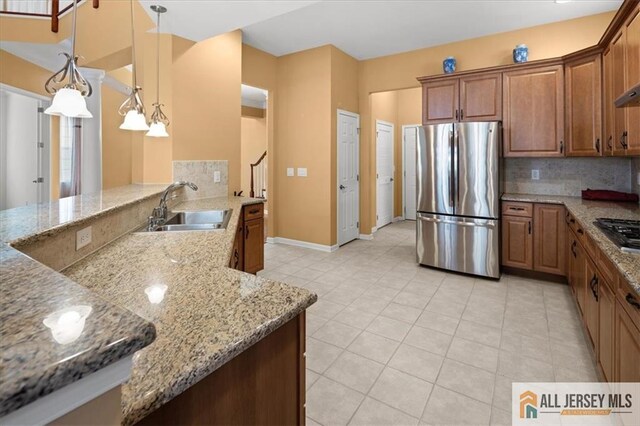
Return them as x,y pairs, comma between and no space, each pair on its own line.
520,54
449,65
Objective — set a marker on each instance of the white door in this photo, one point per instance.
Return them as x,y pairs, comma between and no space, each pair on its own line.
348,177
410,138
384,173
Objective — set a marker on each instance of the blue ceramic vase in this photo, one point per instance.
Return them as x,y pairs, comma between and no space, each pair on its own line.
449,65
520,54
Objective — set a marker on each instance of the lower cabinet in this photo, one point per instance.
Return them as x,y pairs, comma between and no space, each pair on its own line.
606,329
248,247
627,332
517,242
591,308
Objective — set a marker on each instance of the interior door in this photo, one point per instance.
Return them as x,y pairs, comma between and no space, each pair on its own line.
348,177
384,173
410,138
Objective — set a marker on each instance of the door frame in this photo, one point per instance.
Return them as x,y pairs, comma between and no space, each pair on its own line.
357,117
393,148
404,169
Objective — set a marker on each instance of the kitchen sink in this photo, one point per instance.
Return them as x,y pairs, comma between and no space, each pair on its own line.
201,220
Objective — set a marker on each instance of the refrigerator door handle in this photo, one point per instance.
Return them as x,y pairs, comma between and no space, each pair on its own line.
451,170
474,222
456,169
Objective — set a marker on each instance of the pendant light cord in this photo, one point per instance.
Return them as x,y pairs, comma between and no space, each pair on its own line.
158,59
72,76
133,50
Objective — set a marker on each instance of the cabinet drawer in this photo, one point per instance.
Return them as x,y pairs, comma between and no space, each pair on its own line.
629,299
590,246
607,269
253,211
512,208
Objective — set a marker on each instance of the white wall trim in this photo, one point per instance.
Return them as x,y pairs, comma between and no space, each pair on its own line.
393,148
397,219
23,92
66,399
404,169
374,229
367,237
357,117
303,244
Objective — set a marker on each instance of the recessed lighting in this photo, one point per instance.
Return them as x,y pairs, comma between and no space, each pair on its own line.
562,1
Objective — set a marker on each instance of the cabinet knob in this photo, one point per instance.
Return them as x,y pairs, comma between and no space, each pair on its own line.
632,301
598,145
561,147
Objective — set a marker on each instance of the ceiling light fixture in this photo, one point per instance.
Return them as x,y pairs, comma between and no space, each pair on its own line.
562,1
159,121
68,99
132,108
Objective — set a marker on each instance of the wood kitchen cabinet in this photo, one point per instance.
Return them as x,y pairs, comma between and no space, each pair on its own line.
627,346
549,238
476,97
533,112
607,104
606,329
248,248
517,242
578,269
583,106
590,309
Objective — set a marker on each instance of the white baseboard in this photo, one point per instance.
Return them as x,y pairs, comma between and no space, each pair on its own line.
367,237
374,229
397,219
303,244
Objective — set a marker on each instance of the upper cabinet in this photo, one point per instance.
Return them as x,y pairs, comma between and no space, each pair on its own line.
469,98
533,112
583,106
608,109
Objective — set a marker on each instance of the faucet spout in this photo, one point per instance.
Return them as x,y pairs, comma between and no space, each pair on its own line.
160,212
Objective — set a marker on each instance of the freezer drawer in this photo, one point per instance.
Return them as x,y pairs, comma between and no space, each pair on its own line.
459,244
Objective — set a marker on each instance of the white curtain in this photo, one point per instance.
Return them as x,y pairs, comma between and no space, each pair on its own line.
28,6
70,156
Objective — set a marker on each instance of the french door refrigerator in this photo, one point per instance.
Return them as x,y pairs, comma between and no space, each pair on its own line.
458,190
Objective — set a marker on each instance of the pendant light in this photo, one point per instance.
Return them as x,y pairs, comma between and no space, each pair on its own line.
132,108
67,85
159,121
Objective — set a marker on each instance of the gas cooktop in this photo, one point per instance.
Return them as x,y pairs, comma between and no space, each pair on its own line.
624,233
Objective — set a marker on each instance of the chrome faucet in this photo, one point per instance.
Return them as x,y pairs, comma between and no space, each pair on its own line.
159,215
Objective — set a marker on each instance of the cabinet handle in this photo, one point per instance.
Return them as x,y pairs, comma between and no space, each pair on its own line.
517,209
529,227
254,211
594,286
461,114
632,301
598,145
573,248
609,142
623,139
456,114
567,217
237,258
580,231
246,234
561,147
572,220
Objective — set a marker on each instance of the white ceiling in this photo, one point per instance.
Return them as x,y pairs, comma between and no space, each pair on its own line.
254,97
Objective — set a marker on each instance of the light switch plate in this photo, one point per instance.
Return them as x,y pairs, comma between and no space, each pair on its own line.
289,171
83,238
535,174
216,176
302,171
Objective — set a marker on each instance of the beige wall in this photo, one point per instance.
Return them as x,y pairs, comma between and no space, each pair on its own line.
253,143
400,71
409,113
116,143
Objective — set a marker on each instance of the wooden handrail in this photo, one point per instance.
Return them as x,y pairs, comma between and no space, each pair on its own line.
55,12
252,192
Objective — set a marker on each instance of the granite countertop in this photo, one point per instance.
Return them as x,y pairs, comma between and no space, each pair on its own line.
34,363
586,212
205,312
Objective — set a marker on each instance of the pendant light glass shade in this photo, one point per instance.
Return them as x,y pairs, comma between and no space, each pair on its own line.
69,103
133,108
159,120
68,86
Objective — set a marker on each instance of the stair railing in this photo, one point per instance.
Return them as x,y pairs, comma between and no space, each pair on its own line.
53,11
259,176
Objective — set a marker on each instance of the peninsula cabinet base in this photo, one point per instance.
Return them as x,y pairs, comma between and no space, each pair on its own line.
263,385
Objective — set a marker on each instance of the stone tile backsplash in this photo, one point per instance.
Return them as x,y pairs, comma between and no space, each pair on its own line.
635,172
569,176
202,174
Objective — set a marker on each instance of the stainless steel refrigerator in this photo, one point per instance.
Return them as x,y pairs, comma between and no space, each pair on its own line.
459,189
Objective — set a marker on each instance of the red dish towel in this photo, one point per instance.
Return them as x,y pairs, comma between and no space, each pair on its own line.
605,195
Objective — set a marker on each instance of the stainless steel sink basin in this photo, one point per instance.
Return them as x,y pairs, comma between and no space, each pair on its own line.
202,220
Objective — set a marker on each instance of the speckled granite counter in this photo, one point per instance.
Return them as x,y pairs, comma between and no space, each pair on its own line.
586,212
205,312
34,363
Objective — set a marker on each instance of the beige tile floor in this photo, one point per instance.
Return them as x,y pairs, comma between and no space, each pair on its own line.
393,343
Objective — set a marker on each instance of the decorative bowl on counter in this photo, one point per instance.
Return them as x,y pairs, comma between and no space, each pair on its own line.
449,65
520,54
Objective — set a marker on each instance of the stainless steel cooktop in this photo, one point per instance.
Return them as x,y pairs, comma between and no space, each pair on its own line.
624,233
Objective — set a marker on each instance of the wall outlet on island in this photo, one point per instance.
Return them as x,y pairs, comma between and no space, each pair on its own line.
216,176
535,174
83,237
289,171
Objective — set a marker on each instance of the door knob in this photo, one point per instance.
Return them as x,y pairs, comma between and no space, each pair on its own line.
391,179
343,187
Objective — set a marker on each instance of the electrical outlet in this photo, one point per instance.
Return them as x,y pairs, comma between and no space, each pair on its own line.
535,174
289,171
83,237
302,171
216,176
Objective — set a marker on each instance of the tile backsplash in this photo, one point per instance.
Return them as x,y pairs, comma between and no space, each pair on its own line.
202,174
569,176
635,175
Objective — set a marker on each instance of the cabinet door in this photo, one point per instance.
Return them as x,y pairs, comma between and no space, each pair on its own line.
632,78
481,98
254,245
237,255
591,301
607,104
627,347
517,242
583,100
440,101
606,321
549,238
578,281
533,112
618,85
